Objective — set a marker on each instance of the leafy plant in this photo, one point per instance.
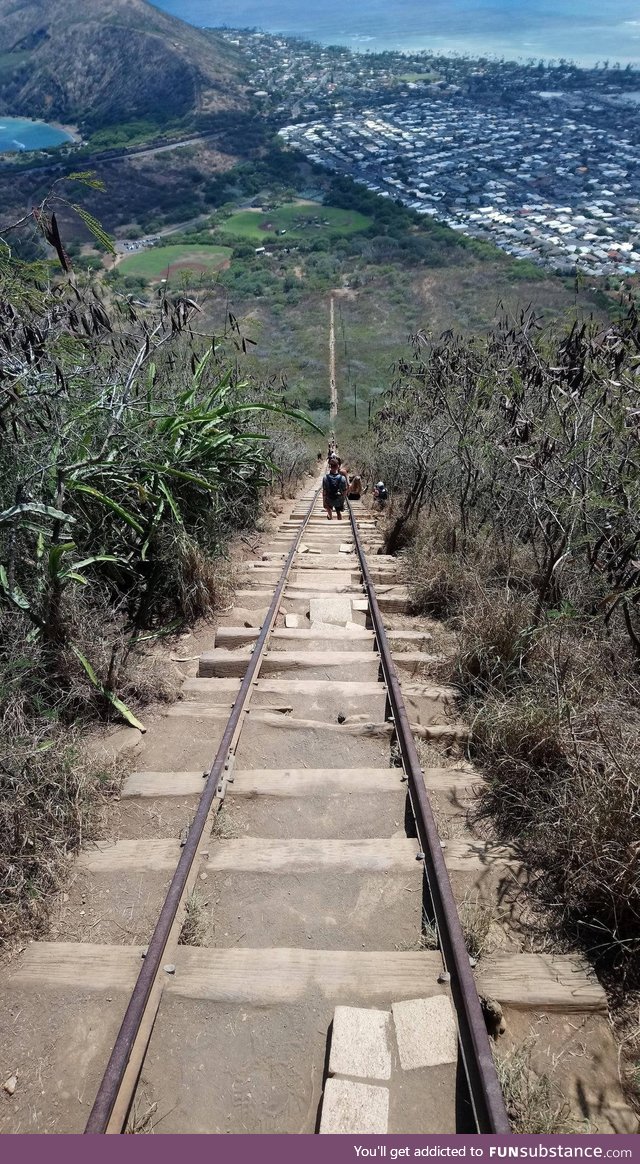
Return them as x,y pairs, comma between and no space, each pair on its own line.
128,432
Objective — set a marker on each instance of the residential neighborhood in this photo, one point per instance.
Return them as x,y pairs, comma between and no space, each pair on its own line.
561,192
540,158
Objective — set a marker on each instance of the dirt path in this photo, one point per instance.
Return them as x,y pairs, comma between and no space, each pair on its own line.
333,389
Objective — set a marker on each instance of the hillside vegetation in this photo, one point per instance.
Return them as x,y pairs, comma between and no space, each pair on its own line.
517,457
130,453
98,63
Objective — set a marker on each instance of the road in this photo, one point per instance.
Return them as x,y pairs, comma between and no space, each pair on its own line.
108,156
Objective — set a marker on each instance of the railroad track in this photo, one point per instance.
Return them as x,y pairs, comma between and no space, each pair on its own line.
312,864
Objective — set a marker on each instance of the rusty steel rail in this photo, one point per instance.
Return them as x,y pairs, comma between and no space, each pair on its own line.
484,1089
113,1077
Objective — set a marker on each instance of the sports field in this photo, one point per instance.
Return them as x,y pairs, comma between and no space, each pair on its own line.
165,262
296,220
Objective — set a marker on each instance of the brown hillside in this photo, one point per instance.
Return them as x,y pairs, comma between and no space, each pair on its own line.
103,62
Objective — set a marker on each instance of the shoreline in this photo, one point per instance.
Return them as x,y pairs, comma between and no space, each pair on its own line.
435,45
71,132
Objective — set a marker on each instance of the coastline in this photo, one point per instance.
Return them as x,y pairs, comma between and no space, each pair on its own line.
473,47
72,130
576,30
18,125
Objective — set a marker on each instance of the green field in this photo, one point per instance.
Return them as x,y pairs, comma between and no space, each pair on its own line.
373,323
163,262
299,220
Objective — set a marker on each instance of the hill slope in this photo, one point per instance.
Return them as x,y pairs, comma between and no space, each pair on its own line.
103,62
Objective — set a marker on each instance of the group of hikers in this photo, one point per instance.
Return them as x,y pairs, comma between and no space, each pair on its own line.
338,486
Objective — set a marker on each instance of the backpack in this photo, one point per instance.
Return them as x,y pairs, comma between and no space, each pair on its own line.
383,494
334,483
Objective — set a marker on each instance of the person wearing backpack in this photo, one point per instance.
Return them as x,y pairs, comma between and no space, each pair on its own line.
380,494
334,489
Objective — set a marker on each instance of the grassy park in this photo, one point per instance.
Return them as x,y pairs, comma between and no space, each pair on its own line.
164,262
300,220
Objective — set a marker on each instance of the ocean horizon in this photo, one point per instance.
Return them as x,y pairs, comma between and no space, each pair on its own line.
585,31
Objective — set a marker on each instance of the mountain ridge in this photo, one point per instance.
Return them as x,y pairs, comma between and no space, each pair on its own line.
97,64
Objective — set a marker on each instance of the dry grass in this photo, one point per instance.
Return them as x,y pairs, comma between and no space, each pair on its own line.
427,939
51,795
148,679
568,791
555,715
50,801
141,1120
446,577
433,754
497,645
476,918
532,1105
224,827
193,583
438,586
626,1022
196,925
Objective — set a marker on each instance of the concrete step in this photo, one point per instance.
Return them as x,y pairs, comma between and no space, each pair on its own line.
255,977
328,584
325,699
321,520
310,565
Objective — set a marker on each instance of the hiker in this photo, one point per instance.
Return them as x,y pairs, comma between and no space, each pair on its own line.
355,487
334,489
380,494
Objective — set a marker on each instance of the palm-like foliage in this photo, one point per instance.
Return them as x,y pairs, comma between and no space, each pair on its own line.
126,437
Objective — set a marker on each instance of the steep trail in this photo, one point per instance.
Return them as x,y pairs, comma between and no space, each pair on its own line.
309,894
333,387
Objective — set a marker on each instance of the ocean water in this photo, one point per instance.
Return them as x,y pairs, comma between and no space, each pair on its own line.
585,31
18,134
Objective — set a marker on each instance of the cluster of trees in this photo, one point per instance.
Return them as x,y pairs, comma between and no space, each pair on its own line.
400,235
533,437
517,456
276,169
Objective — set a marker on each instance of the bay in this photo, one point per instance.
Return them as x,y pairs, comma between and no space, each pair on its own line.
585,31
18,134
